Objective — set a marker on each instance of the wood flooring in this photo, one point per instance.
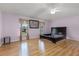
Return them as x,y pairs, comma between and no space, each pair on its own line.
41,47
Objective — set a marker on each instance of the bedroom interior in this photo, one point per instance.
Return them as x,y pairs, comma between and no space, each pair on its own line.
39,29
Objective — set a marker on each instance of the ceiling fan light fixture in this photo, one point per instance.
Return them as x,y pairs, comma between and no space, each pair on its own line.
53,11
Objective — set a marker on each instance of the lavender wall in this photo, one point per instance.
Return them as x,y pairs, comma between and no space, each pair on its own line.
10,26
34,33
0,28
47,27
72,24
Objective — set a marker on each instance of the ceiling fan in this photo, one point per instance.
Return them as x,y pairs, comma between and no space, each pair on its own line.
53,11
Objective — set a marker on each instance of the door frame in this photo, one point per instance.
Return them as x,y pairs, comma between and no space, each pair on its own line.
20,22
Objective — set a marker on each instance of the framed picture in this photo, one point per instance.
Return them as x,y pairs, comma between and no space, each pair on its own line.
33,24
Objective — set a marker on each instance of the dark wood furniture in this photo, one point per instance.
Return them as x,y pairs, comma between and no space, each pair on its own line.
57,34
6,40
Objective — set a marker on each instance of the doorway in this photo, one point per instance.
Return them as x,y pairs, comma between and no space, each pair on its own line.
24,25
42,27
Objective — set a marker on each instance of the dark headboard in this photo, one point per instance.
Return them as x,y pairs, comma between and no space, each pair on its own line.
60,29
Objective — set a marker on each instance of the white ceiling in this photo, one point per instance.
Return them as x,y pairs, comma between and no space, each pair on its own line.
41,10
